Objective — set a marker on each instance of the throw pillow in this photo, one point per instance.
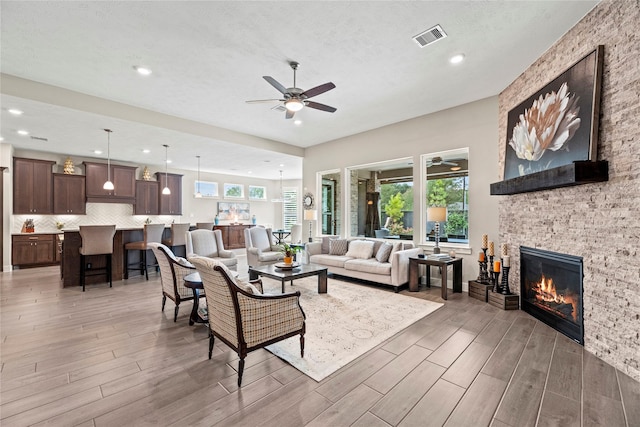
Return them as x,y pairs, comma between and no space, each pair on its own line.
376,245
247,287
183,262
325,243
338,246
383,253
362,249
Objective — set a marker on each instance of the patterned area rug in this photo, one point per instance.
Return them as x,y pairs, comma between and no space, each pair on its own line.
344,323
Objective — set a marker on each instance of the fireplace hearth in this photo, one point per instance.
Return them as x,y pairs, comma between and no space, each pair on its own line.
551,290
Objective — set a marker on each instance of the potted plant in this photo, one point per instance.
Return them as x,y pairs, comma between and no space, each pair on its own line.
288,251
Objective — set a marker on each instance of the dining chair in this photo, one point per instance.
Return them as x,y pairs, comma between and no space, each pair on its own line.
205,225
178,236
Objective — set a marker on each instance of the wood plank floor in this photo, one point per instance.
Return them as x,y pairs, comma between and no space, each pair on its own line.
111,357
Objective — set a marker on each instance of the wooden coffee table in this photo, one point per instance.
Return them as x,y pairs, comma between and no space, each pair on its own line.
303,270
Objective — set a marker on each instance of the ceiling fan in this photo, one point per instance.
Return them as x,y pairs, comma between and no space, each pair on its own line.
295,98
437,161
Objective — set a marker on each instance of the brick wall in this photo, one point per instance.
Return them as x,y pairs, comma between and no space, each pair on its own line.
600,222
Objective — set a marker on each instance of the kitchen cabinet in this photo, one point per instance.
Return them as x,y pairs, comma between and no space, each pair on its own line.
33,250
123,178
147,195
32,186
170,204
69,194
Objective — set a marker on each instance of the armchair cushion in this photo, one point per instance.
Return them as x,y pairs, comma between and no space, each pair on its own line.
184,262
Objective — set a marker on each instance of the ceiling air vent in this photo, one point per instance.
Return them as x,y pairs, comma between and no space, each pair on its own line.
432,35
39,138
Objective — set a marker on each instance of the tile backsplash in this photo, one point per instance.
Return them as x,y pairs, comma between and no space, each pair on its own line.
97,214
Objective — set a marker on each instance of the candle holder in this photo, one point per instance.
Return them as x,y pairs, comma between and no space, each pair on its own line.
504,285
494,279
483,276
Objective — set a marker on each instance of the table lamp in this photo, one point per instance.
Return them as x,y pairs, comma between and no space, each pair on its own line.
310,215
437,214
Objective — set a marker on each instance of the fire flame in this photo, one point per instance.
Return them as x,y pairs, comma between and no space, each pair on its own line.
546,292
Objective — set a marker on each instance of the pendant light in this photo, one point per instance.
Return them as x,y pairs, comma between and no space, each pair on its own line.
198,193
108,185
281,198
166,191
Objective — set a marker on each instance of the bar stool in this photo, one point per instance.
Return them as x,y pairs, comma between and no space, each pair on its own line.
205,225
178,237
96,240
152,233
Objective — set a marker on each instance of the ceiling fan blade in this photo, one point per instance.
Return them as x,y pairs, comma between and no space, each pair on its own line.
273,82
319,106
258,101
289,114
315,91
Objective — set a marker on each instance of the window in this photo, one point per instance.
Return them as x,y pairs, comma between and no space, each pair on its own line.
447,185
289,207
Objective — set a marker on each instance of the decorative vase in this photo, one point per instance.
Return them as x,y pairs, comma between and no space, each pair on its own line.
216,220
146,174
253,220
68,168
288,260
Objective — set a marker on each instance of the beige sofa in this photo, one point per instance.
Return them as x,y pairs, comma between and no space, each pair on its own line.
356,264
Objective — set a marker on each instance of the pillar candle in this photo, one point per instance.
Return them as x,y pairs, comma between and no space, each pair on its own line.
506,261
485,239
481,256
496,266
504,250
491,249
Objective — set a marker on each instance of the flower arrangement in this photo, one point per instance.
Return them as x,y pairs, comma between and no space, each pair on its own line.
288,250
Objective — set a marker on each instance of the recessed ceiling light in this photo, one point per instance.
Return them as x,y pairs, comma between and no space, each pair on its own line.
23,132
97,151
146,151
297,122
143,71
168,161
249,172
1,138
281,165
15,111
456,59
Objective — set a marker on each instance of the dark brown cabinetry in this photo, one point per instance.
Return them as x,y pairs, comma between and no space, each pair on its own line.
33,250
32,192
123,178
146,198
170,204
232,235
68,194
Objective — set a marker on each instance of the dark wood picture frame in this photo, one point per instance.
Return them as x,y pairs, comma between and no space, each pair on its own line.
581,83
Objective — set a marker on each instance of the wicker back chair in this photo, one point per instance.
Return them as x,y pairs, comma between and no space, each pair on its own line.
242,317
172,272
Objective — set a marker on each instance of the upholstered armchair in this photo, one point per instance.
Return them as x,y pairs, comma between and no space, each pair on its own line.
208,243
242,317
172,272
260,247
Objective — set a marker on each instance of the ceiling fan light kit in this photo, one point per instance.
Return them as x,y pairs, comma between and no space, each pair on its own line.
295,99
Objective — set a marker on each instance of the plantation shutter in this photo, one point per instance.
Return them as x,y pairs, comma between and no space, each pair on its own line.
290,207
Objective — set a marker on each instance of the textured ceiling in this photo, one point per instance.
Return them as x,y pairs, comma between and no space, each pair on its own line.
209,57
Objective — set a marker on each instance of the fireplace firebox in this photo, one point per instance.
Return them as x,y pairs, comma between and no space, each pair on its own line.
551,290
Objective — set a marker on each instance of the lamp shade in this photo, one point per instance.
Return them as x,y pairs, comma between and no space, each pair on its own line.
293,104
437,214
310,215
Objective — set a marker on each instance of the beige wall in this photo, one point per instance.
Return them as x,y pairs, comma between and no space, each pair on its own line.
473,125
599,222
194,210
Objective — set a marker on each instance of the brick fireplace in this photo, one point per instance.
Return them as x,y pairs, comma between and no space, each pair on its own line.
597,222
551,290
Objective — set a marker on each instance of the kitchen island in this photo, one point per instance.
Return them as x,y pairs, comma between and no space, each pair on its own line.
71,256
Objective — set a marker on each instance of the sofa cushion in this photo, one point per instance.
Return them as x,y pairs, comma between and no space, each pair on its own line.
325,243
383,253
248,287
368,266
362,249
329,260
338,246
